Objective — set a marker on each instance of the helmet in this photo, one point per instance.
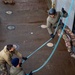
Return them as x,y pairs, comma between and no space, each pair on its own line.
52,11
15,62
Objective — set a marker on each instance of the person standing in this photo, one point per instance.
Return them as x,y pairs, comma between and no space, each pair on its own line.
6,57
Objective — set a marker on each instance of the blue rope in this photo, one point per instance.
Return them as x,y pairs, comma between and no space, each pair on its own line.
57,41
55,45
37,49
46,41
26,74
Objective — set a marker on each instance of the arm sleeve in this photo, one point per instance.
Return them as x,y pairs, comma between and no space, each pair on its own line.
18,54
49,26
8,60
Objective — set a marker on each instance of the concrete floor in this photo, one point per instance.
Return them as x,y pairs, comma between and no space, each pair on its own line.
27,17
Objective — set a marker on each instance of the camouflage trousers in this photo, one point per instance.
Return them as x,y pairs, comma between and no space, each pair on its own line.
3,69
68,37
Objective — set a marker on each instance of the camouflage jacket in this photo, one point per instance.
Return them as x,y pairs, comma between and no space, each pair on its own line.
6,56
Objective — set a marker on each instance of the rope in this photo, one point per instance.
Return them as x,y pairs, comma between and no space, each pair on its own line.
58,24
38,49
46,41
57,41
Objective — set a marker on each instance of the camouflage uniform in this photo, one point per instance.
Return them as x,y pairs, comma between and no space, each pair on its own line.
16,71
5,57
51,24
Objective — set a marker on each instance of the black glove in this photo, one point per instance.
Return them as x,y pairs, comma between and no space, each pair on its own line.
63,11
52,35
24,58
20,64
31,73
